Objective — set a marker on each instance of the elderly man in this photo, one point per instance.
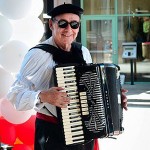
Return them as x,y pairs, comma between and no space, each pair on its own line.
34,86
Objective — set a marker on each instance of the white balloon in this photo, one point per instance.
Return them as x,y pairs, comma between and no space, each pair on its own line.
6,80
12,115
36,8
6,29
29,30
12,54
15,9
0,108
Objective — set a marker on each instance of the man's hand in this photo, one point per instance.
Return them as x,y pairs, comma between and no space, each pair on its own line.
124,98
55,96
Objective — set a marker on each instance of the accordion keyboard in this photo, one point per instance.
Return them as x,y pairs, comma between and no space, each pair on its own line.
71,116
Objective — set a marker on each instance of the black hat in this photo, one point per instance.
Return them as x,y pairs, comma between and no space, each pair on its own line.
65,8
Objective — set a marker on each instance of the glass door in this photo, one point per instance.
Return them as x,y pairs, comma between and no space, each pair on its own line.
98,37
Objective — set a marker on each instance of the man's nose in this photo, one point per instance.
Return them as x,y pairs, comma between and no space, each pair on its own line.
68,26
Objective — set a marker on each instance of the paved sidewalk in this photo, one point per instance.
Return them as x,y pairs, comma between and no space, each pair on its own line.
136,121
137,89
138,94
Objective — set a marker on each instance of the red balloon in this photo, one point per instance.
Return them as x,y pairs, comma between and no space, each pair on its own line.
7,132
21,147
25,131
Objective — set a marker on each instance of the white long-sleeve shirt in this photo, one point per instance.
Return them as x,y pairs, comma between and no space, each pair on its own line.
33,77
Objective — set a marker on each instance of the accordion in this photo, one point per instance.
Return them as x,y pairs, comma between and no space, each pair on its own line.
95,109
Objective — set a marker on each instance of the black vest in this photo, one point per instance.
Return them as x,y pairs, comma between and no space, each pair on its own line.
60,56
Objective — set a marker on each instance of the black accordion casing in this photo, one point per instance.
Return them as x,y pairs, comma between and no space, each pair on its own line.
95,109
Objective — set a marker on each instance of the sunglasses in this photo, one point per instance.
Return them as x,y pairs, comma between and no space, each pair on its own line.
64,23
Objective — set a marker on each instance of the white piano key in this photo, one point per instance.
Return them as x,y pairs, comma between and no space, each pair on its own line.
65,75
63,71
63,79
69,132
74,101
70,141
72,124
82,93
84,101
78,137
65,68
66,84
85,113
73,105
77,128
73,129
70,73
70,88
71,119
73,115
68,129
83,97
77,133
85,109
73,110
84,105
72,93
73,96
74,142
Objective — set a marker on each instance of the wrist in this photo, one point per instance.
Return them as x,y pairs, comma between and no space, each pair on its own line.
39,97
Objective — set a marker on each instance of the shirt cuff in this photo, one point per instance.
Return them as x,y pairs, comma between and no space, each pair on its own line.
37,102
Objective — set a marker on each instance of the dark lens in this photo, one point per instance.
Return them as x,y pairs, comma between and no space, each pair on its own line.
74,24
62,23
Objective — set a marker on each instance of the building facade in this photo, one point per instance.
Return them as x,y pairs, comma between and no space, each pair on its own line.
109,24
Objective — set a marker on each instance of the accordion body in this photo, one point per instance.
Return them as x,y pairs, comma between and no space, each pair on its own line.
95,109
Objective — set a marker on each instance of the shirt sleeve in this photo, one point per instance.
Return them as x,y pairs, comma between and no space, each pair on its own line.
33,76
86,55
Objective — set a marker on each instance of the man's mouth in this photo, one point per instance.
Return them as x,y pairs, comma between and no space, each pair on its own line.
66,35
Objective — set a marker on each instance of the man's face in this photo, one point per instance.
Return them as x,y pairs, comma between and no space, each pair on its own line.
64,36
